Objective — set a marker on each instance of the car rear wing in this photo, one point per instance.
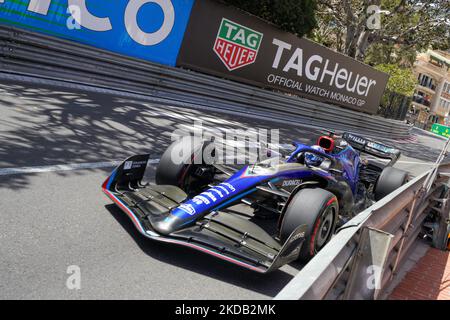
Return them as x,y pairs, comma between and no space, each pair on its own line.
372,147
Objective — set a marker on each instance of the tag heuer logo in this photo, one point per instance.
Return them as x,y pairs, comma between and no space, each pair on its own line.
237,46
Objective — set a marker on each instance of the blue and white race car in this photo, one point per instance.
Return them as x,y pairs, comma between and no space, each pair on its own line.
259,216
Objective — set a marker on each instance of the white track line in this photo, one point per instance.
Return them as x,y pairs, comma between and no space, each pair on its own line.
64,167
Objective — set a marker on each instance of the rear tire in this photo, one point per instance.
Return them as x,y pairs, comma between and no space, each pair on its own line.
318,209
389,180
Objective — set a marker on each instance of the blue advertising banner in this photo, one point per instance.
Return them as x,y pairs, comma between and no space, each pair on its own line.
148,29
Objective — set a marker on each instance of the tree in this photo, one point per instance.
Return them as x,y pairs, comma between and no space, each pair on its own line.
406,26
400,88
401,81
295,16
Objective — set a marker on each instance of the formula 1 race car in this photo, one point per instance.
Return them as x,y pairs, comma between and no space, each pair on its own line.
259,216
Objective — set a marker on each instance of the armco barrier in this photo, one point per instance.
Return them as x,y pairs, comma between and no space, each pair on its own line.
361,260
29,53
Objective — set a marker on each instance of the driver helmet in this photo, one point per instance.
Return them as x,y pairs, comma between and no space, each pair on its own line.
312,159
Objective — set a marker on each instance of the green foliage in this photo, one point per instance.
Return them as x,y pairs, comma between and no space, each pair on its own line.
296,16
401,80
382,53
406,27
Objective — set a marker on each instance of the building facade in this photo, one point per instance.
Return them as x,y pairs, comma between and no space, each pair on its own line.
431,100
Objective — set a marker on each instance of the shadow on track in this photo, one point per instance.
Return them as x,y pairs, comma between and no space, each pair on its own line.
45,125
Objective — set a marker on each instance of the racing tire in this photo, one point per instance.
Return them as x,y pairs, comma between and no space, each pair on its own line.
319,210
389,180
177,173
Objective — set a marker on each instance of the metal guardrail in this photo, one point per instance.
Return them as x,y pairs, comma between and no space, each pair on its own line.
363,257
27,53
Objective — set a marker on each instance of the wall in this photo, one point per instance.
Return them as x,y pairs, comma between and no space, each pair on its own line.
149,30
209,37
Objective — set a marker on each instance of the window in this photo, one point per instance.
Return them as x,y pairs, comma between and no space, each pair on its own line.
426,81
446,88
445,105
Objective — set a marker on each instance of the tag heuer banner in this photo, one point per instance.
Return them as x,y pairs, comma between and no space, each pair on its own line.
229,43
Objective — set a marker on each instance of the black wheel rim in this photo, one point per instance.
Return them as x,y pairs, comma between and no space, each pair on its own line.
325,229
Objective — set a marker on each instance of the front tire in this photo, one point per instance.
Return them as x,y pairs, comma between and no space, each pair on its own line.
318,209
179,162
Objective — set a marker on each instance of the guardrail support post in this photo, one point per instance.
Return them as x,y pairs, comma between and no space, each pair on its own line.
408,226
442,230
367,269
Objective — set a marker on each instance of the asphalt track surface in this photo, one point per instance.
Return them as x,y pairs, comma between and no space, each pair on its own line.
57,146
